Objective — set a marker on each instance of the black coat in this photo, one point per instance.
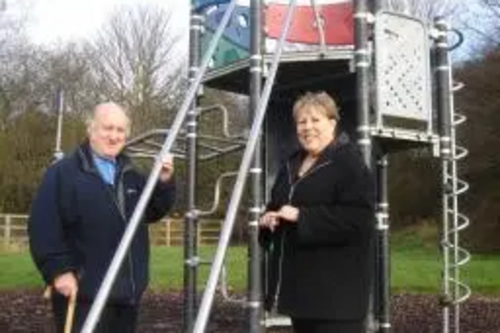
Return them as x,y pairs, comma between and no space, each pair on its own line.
320,267
77,221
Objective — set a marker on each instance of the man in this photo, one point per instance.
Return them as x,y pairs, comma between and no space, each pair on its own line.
79,216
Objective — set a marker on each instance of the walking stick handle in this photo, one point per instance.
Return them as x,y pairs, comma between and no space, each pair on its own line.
70,312
47,292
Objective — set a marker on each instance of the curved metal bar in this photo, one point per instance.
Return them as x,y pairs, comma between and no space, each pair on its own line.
460,41
144,136
228,150
225,119
221,140
224,290
217,188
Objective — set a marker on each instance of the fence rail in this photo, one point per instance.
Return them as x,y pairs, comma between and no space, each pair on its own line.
167,232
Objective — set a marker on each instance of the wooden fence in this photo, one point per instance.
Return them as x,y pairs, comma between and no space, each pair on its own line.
168,232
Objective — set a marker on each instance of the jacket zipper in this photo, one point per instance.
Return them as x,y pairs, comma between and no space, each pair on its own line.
280,269
293,185
121,208
124,219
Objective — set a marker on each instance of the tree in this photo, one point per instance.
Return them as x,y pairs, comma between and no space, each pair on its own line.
30,75
480,101
12,50
26,149
132,59
482,37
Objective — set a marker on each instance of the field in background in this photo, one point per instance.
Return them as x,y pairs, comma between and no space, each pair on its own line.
416,267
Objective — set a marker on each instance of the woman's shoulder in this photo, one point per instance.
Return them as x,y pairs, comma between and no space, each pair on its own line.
343,145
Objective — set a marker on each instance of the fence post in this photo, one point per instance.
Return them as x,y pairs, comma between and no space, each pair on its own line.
7,232
167,232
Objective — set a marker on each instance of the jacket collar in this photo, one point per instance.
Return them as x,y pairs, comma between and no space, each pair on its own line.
340,141
84,155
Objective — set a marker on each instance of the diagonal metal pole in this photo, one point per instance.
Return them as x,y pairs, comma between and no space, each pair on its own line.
58,154
318,18
208,295
110,277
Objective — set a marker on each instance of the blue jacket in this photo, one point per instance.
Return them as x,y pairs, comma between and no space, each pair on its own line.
77,221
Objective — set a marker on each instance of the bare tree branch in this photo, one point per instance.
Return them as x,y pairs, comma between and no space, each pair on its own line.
132,59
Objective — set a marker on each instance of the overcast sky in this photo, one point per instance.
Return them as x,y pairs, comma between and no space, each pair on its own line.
53,20
63,20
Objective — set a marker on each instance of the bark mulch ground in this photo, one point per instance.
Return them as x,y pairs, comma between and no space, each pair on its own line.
26,311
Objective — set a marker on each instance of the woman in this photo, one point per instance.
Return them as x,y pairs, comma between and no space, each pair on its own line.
318,227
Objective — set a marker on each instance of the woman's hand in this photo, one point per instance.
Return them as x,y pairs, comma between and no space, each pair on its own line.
286,213
289,213
269,220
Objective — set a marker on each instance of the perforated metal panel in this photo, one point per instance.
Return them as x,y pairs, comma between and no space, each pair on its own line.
402,67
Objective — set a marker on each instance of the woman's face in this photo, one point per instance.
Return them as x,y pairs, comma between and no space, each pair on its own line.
314,129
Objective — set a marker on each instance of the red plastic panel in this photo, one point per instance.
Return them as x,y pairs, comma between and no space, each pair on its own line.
338,23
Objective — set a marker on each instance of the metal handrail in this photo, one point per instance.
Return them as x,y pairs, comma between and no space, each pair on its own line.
217,187
225,119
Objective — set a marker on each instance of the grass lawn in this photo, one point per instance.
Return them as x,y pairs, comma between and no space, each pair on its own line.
415,267
18,271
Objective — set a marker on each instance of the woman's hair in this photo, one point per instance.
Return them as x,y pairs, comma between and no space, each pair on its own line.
320,100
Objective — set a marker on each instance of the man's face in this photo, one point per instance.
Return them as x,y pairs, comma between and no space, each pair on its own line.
108,131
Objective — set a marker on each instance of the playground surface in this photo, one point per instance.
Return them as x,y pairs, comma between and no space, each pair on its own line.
26,311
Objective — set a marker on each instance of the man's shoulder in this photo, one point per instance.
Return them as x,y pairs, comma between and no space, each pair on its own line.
64,165
65,162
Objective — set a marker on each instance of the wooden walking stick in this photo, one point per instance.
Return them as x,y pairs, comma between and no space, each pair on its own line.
47,292
70,312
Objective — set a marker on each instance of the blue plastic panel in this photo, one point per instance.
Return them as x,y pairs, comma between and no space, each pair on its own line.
200,5
235,42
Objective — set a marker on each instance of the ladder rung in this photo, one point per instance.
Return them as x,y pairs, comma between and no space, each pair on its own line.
277,320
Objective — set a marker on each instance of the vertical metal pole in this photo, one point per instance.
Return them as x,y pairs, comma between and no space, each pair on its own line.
382,285
383,300
444,127
254,302
362,66
58,154
191,219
